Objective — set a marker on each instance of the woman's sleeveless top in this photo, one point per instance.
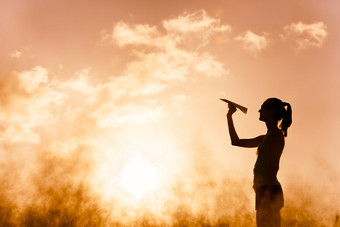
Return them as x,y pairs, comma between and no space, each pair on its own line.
262,165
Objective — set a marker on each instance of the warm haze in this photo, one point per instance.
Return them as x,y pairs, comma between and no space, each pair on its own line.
113,106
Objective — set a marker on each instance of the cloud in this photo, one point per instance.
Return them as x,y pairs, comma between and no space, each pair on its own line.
253,42
32,80
16,54
171,60
111,115
160,63
162,66
196,22
162,59
124,34
306,35
27,101
209,66
80,82
177,30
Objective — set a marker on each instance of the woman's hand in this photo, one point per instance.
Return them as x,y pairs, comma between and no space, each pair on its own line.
232,110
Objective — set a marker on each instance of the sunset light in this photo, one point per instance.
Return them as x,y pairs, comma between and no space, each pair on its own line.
139,177
110,111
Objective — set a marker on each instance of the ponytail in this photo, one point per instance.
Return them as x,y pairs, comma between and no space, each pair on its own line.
287,119
282,112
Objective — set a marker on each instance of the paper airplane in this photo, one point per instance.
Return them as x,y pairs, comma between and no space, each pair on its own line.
242,108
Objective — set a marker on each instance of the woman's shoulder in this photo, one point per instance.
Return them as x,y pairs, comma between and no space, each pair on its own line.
277,132
276,135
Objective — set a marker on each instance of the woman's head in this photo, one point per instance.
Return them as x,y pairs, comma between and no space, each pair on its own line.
278,110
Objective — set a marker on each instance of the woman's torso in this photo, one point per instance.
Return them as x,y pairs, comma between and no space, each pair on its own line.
263,163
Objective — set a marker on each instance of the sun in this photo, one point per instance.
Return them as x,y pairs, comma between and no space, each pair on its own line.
139,177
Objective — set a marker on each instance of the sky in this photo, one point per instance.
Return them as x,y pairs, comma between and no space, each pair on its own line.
116,91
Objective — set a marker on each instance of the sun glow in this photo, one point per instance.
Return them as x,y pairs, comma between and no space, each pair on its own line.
139,176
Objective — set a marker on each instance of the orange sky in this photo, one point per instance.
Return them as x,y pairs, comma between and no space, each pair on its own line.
144,77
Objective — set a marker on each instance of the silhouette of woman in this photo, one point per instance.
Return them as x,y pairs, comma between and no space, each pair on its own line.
268,191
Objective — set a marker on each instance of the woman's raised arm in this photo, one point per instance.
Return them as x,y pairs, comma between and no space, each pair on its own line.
235,140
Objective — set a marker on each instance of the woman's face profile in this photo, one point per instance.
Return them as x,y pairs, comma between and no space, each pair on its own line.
266,111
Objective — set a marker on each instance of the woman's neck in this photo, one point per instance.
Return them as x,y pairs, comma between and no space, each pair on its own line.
271,125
